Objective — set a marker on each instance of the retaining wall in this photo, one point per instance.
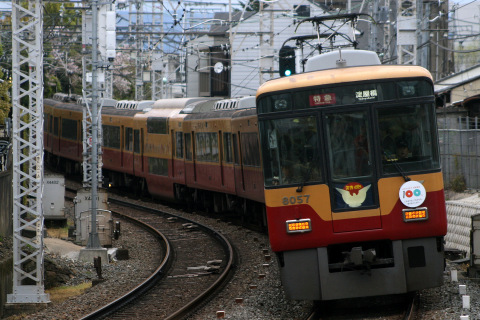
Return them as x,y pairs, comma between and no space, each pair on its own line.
6,203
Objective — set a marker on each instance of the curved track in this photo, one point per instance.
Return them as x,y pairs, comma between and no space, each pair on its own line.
187,242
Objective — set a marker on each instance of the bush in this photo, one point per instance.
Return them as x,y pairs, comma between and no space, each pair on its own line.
458,184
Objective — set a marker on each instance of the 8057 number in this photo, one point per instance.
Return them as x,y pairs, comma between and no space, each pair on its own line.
295,200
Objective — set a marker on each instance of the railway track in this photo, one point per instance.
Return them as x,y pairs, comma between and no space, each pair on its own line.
395,307
196,262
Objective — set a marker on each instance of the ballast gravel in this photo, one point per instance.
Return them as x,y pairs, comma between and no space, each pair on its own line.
254,292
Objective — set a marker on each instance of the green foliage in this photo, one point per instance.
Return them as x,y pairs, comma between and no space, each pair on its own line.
5,104
458,184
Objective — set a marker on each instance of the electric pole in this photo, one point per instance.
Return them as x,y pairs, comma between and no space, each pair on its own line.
27,118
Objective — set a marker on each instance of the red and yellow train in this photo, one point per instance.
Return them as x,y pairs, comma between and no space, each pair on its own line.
192,150
342,164
353,183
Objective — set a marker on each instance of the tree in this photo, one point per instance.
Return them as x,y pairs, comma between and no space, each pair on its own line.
123,77
5,85
5,104
62,47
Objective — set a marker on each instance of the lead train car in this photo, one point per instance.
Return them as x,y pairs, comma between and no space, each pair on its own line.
190,150
353,186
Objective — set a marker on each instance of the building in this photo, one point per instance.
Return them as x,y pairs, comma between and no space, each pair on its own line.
234,59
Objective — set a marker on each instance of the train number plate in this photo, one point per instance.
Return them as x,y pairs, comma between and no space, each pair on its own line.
295,199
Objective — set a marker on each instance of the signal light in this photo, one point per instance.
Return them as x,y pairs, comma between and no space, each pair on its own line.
286,61
417,214
300,225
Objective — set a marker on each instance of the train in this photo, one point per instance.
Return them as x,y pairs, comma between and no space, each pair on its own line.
354,191
194,151
339,163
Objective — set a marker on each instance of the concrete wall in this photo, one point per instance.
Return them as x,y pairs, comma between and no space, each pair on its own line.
6,203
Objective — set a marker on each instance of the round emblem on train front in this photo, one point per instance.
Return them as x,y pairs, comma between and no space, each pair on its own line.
412,194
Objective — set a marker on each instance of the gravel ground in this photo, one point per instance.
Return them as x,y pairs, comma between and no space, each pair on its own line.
446,302
120,277
254,292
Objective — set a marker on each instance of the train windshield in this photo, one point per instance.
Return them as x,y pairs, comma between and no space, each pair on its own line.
291,151
350,156
408,140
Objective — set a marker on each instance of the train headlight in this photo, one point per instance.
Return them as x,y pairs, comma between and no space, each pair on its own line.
300,225
416,214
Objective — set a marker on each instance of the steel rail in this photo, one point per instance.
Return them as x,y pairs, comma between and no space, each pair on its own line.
146,284
159,273
223,277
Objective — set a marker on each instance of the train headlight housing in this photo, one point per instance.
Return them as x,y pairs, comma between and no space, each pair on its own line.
417,214
298,226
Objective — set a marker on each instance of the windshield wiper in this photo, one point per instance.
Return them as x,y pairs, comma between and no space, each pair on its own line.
397,166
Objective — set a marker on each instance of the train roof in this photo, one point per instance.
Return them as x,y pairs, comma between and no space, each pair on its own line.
199,106
106,109
177,103
161,113
104,102
343,75
211,115
342,58
235,103
120,112
134,105
219,114
62,104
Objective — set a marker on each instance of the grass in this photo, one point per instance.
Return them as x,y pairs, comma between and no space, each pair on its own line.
60,294
60,233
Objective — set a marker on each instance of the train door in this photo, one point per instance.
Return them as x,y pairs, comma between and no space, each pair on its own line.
179,157
137,151
122,145
351,168
79,139
129,154
238,163
194,157
56,132
50,132
220,151
189,168
172,159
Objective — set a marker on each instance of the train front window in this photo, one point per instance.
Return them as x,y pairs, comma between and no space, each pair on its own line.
408,138
349,146
291,151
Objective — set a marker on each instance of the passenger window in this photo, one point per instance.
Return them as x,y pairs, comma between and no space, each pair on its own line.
179,145
291,151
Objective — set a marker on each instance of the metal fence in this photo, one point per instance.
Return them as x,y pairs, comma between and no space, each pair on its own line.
460,153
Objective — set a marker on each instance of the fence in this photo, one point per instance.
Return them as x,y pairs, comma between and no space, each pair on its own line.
460,153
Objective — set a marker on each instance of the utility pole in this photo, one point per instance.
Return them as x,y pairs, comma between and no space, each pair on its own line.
93,240
157,58
139,48
92,159
106,44
407,32
27,98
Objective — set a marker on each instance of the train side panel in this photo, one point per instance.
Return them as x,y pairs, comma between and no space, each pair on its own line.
248,171
208,167
177,163
115,157
158,152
